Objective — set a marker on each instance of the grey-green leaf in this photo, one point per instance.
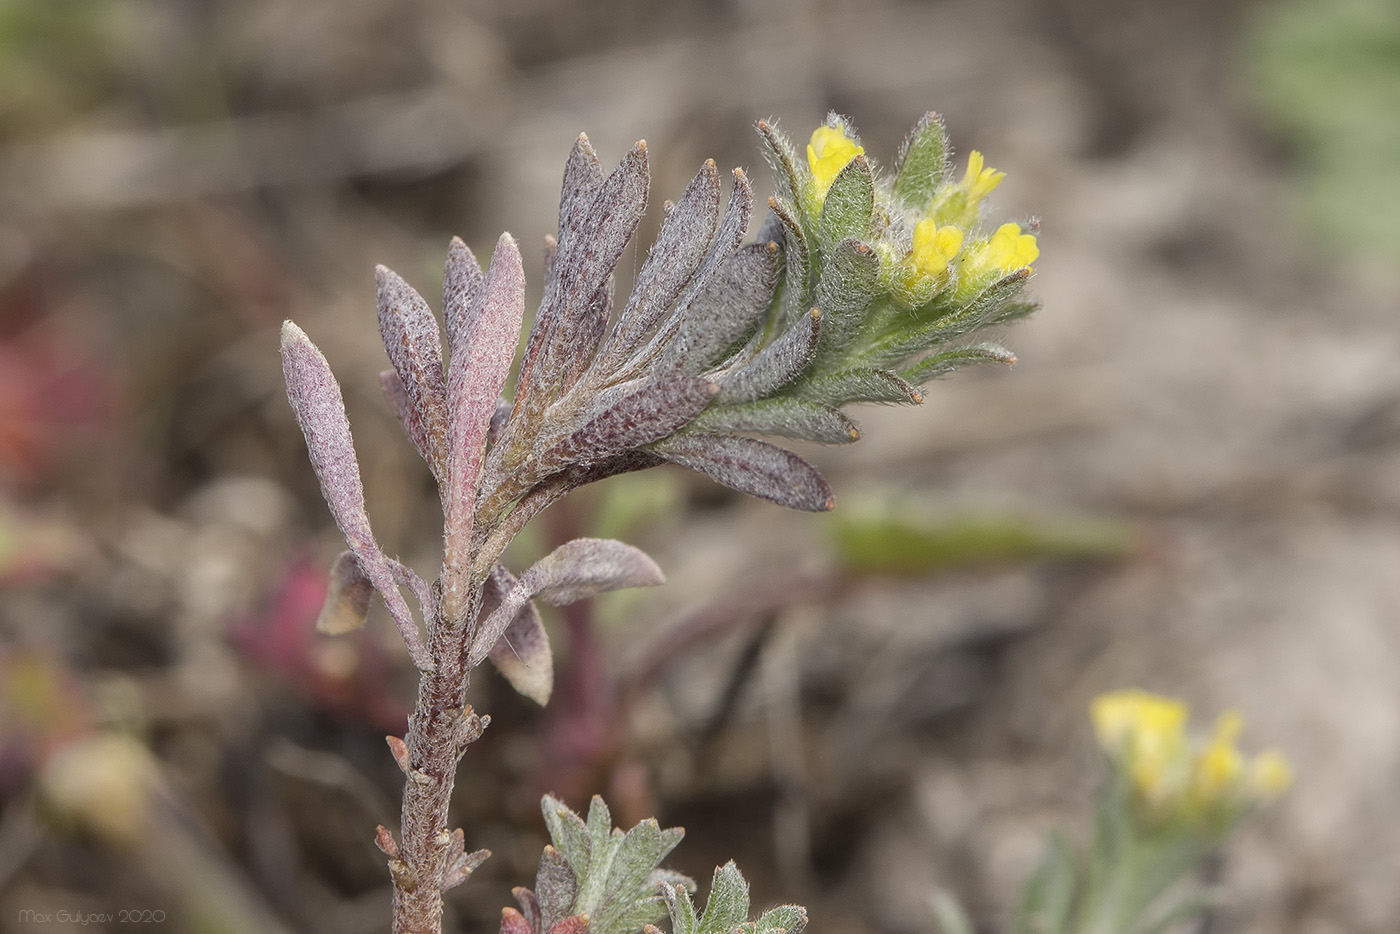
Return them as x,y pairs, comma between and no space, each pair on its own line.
728,903
923,162
849,205
785,417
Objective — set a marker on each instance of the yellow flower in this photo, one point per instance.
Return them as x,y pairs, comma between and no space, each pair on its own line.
934,246
1215,780
1147,734
960,204
830,151
979,181
1170,778
1269,775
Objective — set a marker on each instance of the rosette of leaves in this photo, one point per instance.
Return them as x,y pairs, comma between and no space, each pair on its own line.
840,330
594,878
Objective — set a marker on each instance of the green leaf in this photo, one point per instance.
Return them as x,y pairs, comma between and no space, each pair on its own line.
788,418
923,163
896,544
569,834
1050,891
785,919
849,206
859,384
850,281
728,904
940,364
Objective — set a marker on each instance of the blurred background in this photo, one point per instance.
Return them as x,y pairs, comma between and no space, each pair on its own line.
1191,482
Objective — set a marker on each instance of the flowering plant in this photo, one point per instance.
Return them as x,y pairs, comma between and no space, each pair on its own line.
860,287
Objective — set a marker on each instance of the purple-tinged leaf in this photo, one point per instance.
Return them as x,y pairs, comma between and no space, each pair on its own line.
320,411
385,841
529,906
522,655
405,576
513,922
588,252
679,250
790,418
574,924
463,289
729,307
347,597
583,175
476,376
778,364
555,887
577,353
577,569
641,417
399,750
409,421
731,232
751,466
411,338
460,864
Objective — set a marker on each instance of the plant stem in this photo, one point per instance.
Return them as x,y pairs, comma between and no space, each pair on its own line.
439,731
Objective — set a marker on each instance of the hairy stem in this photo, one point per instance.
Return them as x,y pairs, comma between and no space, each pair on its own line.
439,731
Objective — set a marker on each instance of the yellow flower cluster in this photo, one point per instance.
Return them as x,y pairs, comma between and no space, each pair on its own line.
941,247
830,151
1145,736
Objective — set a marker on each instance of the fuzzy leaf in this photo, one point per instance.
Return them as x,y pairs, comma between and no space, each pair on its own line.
796,262
574,924
522,654
849,205
778,364
409,421
785,919
637,855
569,834
583,176
320,411
476,376
513,922
923,162
641,417
555,887
751,466
463,291
673,259
782,158
850,280
411,338
860,384
589,249
727,906
581,568
681,909
788,418
998,304
730,306
347,597
946,362
529,906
